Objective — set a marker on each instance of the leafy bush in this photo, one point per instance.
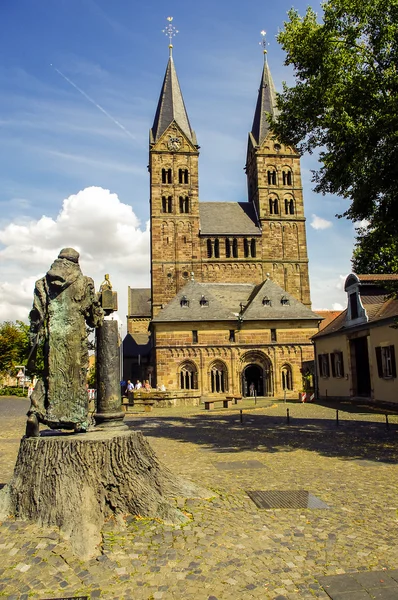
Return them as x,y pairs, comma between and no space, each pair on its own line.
14,391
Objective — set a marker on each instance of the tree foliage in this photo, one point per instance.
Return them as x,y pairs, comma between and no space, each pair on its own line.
14,345
376,251
345,103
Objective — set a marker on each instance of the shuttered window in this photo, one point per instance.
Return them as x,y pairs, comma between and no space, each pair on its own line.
386,366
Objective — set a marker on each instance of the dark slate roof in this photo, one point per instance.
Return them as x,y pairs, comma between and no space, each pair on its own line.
257,310
266,103
139,302
137,343
171,107
228,218
225,300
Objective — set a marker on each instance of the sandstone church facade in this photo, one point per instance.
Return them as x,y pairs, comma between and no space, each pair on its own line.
229,303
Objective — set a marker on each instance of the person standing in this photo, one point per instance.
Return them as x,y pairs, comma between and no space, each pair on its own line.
129,391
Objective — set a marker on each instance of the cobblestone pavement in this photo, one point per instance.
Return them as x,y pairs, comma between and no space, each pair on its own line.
231,549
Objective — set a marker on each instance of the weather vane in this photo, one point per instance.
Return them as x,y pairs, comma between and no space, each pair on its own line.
264,44
170,32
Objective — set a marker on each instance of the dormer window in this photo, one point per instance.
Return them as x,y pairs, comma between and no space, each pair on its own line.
203,301
356,313
285,301
266,301
354,305
184,302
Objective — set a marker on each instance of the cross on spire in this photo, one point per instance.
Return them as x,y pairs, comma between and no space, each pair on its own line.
264,44
170,31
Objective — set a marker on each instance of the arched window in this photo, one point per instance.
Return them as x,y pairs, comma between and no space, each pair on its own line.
182,175
246,247
253,248
209,248
184,204
287,379
235,248
188,376
216,248
287,177
166,176
227,248
291,207
218,377
271,175
167,204
273,206
287,206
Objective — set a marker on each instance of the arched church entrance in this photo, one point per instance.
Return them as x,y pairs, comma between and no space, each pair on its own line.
257,373
252,376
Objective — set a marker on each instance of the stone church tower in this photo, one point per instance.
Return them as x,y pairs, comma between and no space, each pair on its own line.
274,188
229,303
224,242
174,204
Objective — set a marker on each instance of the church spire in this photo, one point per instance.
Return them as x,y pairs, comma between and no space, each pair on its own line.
171,105
266,101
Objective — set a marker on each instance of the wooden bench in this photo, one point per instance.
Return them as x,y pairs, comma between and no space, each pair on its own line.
235,399
146,403
226,402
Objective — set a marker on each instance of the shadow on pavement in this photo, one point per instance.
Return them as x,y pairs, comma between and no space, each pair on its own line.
218,432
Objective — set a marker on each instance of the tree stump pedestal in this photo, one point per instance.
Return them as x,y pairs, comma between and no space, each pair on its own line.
76,481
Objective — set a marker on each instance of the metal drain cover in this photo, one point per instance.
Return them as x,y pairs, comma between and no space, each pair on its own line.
238,465
285,499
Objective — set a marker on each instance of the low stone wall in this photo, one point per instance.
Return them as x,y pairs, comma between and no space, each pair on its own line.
169,398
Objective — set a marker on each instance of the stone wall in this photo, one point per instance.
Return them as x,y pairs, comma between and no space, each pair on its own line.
175,350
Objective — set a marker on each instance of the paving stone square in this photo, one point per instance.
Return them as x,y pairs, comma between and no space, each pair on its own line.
371,584
231,549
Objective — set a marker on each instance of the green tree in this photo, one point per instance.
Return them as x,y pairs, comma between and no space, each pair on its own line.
14,345
376,251
344,103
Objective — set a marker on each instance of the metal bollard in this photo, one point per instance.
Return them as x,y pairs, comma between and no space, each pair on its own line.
241,416
337,417
387,423
287,416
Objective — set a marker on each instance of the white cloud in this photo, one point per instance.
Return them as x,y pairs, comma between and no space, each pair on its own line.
341,281
319,223
105,231
337,306
364,224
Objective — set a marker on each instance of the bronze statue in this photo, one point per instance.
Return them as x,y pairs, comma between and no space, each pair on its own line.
64,303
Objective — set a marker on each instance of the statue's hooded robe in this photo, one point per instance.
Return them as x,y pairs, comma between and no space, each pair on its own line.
64,302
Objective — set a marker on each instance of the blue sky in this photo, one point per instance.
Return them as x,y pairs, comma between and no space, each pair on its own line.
59,152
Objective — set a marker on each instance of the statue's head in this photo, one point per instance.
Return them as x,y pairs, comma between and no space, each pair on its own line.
65,269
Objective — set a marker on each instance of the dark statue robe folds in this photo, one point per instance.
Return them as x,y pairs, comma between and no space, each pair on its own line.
64,304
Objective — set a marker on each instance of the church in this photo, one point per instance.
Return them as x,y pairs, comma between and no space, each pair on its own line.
229,306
